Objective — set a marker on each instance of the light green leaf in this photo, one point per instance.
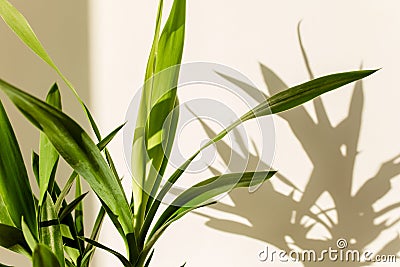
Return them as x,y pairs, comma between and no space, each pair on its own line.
106,140
65,191
30,239
48,154
50,230
4,215
44,257
79,151
154,127
15,189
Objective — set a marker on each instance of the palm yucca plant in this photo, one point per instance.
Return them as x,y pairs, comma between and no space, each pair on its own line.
50,231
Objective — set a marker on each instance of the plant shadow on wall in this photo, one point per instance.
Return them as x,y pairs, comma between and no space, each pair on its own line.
333,153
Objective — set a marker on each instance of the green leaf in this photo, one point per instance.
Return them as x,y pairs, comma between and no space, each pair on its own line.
78,206
48,154
90,249
67,187
65,191
44,257
105,141
15,189
13,239
30,239
147,264
35,166
78,150
3,265
150,243
124,261
71,207
154,125
69,263
302,93
4,215
50,230
205,191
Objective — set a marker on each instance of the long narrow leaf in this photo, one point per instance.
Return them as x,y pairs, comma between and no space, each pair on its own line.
30,239
101,145
79,151
48,154
78,206
123,260
90,249
205,191
15,189
65,191
300,94
50,230
71,207
154,126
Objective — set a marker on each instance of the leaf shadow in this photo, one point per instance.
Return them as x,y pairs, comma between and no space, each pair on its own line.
287,222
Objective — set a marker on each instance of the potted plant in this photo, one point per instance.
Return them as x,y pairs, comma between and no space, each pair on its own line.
49,230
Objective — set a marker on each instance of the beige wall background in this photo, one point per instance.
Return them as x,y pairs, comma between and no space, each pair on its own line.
338,35
63,28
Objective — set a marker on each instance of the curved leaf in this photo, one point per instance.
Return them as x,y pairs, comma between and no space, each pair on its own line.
302,93
124,261
15,189
206,190
76,147
48,158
